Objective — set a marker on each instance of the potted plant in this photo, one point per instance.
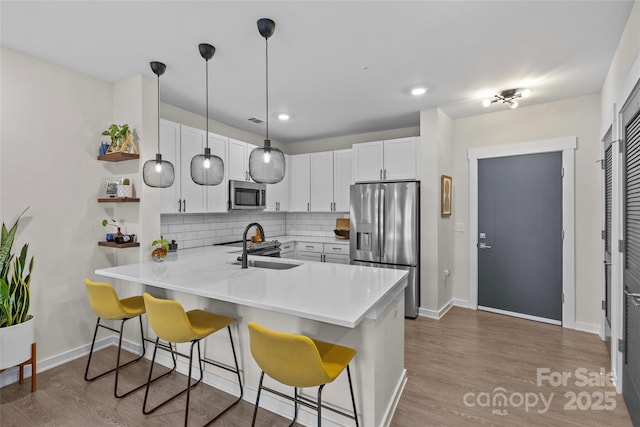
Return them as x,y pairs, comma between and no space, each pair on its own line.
118,135
160,249
113,223
16,324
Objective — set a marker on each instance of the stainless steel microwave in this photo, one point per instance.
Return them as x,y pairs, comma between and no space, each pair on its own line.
247,195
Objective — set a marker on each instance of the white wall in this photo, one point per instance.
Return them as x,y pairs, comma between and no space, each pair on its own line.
578,117
51,123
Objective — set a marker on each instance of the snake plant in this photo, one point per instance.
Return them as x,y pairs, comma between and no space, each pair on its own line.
14,284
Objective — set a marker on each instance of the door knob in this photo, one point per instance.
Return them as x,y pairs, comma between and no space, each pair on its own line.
483,245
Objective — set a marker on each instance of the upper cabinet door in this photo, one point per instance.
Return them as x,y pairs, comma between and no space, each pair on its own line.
400,159
321,197
170,149
299,183
238,160
192,143
342,179
278,194
218,195
368,163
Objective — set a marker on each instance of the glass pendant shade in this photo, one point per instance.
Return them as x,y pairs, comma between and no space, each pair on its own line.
207,168
266,164
158,173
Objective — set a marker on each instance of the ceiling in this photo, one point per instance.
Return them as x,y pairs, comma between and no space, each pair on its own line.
339,68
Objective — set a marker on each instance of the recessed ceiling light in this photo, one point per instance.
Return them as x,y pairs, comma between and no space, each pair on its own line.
283,116
418,91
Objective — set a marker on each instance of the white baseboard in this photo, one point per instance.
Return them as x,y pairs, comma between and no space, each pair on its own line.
435,314
587,327
462,303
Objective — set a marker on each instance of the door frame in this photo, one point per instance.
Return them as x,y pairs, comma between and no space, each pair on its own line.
567,146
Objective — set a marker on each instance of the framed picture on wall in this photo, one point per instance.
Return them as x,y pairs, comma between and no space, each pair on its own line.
109,187
445,195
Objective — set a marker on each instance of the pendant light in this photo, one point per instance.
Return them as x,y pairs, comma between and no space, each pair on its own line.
158,173
207,168
266,164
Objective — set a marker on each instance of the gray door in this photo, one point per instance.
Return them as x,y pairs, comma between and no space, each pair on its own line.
631,142
520,235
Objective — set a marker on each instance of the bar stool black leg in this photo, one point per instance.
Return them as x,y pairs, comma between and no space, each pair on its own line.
353,399
255,409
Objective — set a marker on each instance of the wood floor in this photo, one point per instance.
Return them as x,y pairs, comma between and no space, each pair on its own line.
455,366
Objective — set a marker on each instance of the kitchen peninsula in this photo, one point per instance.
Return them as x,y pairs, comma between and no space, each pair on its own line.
360,307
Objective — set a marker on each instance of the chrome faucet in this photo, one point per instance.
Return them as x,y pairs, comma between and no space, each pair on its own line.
244,241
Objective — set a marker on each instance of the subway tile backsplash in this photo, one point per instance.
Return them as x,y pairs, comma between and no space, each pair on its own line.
196,230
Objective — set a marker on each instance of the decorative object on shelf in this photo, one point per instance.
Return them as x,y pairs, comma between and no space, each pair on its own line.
121,140
445,195
17,346
161,248
125,190
207,168
111,237
103,148
158,173
267,164
507,96
109,187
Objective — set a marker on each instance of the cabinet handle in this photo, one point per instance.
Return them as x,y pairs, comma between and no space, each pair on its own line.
380,173
308,206
309,247
337,249
184,205
385,174
179,205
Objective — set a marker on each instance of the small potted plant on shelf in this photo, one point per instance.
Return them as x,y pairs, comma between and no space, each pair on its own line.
125,190
110,237
121,139
16,324
160,249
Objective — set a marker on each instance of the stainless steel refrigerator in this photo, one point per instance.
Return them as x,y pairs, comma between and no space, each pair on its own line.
385,231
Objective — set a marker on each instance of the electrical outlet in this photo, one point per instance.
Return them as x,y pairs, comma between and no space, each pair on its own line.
459,227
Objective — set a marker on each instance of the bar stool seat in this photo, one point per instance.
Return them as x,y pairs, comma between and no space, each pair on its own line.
171,323
105,303
299,361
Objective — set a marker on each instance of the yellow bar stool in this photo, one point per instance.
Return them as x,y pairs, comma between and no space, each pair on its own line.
172,324
299,361
105,303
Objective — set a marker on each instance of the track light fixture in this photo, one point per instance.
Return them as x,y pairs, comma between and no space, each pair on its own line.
508,96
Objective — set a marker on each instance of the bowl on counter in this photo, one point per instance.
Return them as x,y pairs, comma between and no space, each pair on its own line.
341,234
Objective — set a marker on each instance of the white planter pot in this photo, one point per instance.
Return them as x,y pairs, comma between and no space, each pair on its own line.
124,190
15,343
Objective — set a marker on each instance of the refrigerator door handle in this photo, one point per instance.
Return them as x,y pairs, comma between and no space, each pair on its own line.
381,227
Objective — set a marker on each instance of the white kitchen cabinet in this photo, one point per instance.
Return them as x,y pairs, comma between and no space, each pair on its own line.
178,145
299,183
335,253
181,143
238,152
321,196
278,194
330,179
388,160
288,250
342,179
218,195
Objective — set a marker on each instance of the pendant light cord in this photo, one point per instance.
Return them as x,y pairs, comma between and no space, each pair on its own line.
158,80
266,66
206,138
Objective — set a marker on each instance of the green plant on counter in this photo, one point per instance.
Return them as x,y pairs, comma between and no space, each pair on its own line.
117,134
14,285
161,243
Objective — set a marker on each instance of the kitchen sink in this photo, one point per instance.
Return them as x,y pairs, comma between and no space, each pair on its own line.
268,264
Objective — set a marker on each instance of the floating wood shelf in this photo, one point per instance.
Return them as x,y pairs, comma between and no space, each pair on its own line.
118,199
118,156
119,245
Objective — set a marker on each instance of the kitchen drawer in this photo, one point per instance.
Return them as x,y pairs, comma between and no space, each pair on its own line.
310,247
309,256
336,248
286,248
336,259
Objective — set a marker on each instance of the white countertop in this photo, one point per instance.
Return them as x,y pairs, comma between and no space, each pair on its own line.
333,293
